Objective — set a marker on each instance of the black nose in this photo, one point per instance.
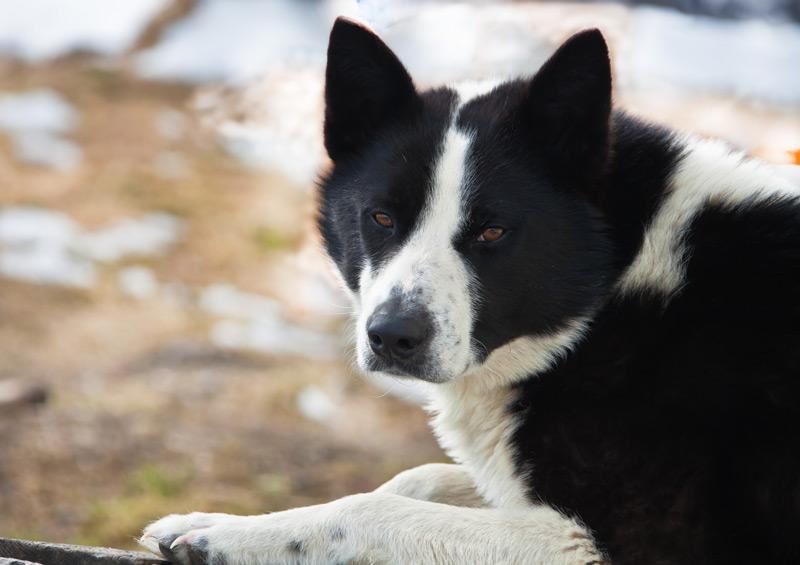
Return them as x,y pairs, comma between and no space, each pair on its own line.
398,335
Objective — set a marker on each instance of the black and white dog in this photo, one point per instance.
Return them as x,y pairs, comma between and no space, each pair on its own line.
608,314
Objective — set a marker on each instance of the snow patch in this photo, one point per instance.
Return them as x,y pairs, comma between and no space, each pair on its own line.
282,132
138,282
226,300
152,234
35,121
35,247
47,247
38,110
748,58
237,40
256,322
37,30
44,149
25,225
315,404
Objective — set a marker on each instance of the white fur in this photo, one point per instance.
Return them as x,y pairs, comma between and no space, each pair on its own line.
429,270
472,426
527,356
710,173
471,418
437,482
380,527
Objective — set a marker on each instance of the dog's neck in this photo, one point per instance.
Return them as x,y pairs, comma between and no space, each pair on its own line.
473,427
471,418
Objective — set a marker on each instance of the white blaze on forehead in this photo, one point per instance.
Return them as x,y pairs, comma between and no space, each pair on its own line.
444,214
428,270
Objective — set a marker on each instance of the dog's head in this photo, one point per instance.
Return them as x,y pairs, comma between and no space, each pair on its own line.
461,219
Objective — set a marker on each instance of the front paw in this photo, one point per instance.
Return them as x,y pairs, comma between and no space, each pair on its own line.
295,536
180,537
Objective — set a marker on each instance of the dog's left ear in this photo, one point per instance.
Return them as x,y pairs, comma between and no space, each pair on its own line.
567,108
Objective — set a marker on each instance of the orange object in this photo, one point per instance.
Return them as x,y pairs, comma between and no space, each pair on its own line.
795,156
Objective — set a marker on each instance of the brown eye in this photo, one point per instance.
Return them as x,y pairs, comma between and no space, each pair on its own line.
383,220
491,234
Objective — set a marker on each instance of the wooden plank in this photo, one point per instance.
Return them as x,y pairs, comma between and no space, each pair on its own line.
42,553
6,561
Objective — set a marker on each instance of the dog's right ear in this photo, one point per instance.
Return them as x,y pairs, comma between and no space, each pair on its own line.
366,87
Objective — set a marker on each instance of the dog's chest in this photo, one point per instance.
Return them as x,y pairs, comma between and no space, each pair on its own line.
474,427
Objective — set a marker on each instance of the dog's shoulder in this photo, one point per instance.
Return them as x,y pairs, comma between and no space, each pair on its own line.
688,369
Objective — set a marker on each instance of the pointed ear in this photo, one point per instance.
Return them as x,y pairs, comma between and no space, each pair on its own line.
366,87
568,106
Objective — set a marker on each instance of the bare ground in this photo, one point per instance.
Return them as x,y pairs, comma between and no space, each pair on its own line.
145,416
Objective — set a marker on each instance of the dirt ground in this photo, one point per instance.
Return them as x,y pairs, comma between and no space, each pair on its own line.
144,415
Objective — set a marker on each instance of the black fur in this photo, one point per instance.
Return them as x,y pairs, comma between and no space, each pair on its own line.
366,89
392,172
673,432
672,429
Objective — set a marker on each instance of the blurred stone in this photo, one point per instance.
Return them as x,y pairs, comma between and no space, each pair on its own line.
16,392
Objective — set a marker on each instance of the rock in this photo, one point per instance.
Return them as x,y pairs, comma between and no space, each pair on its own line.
15,392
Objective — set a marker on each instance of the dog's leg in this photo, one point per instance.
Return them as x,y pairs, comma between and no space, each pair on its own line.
373,528
436,482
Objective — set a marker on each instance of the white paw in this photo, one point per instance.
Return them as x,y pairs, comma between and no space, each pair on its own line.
159,536
296,536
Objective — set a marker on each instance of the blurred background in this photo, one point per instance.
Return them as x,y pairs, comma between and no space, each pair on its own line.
171,337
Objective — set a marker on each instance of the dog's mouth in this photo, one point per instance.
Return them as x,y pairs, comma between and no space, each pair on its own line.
404,370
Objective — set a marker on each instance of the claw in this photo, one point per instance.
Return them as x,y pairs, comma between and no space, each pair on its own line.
165,547
190,548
